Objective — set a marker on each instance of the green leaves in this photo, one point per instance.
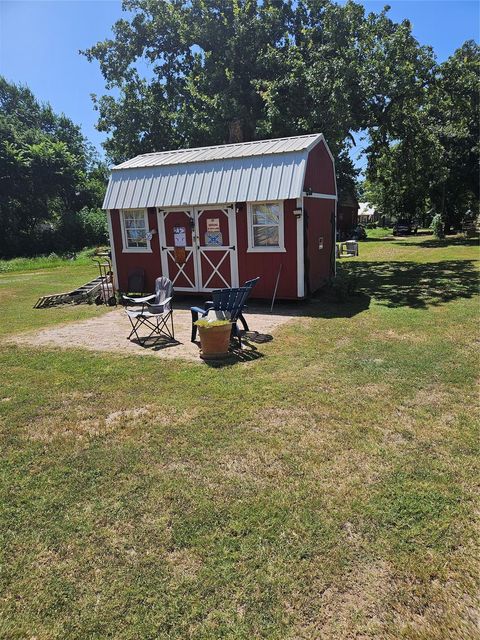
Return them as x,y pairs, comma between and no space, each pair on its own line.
47,170
426,156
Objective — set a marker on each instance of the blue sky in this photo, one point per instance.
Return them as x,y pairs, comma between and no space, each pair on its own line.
40,40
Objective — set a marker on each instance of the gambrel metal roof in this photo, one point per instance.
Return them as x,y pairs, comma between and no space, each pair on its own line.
247,171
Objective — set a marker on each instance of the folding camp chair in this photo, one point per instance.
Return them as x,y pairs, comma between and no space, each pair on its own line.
232,301
153,312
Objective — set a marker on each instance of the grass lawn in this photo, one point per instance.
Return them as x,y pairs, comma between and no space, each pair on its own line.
325,491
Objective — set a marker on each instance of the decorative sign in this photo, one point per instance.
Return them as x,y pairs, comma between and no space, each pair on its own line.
213,224
180,255
179,242
179,237
213,239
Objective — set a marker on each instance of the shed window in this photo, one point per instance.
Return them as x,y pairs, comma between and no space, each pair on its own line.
134,230
265,227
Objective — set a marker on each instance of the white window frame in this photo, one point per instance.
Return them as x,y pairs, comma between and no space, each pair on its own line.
281,229
126,248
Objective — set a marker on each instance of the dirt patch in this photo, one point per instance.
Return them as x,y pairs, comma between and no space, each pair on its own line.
109,333
393,335
352,608
184,564
77,424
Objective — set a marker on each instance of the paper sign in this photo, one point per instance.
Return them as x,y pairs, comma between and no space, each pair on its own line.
213,224
180,255
213,239
179,237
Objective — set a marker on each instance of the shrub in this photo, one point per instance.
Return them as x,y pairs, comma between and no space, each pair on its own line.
360,233
437,226
93,223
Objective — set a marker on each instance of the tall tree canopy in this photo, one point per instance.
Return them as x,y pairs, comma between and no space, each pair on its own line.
47,170
200,72
213,71
430,163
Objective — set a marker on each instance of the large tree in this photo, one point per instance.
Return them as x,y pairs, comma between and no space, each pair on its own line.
214,71
429,161
47,169
454,113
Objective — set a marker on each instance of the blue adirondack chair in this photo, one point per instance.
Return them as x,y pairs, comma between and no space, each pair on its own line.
232,301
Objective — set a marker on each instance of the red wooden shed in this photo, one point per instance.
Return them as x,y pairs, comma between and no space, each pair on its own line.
215,217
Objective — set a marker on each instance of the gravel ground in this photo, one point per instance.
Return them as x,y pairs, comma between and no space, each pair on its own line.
109,333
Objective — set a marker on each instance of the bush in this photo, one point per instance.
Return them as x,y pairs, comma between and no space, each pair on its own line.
360,233
74,231
81,229
344,286
437,226
94,226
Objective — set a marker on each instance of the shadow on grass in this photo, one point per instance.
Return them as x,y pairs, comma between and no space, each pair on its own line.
325,305
413,284
435,243
387,238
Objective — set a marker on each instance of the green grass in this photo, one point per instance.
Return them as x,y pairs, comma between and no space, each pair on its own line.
16,265
326,490
20,290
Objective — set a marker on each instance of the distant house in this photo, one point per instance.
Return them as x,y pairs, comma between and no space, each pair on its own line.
366,213
214,217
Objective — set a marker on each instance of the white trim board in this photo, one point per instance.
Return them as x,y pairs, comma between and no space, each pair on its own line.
300,229
325,196
112,248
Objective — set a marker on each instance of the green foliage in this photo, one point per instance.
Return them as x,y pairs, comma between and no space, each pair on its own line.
209,324
437,226
429,159
48,171
94,225
87,227
225,71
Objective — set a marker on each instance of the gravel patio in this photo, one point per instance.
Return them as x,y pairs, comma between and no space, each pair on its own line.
109,332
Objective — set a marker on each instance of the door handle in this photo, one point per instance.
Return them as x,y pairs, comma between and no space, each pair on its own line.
233,248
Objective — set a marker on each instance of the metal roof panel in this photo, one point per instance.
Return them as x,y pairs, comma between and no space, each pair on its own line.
222,152
269,172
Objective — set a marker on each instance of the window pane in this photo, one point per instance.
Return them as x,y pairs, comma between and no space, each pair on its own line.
136,234
131,223
135,215
266,214
135,231
266,236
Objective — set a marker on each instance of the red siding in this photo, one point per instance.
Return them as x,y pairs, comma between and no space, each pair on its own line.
320,178
319,214
126,261
266,265
319,174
